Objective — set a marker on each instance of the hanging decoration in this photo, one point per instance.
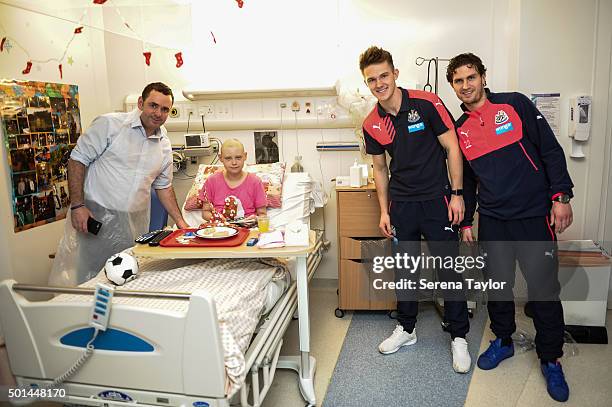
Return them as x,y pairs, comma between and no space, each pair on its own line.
147,56
179,59
28,68
240,3
5,44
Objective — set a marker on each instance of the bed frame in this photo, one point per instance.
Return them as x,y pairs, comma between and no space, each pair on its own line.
185,366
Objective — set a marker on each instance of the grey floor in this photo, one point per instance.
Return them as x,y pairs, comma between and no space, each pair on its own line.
516,383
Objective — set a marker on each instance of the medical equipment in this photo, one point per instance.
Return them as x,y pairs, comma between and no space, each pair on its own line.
431,61
197,140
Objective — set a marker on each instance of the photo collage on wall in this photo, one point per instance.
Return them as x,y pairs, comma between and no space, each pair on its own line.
41,124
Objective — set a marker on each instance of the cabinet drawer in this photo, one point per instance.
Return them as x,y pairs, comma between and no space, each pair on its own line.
355,247
358,214
354,286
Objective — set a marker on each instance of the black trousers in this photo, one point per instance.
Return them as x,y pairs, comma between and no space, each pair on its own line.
429,219
533,244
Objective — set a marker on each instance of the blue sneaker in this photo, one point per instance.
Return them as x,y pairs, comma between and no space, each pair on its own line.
555,381
495,354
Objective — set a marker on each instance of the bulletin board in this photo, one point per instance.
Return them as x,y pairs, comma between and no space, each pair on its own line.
41,124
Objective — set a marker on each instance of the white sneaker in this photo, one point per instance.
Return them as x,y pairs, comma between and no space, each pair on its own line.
398,338
461,357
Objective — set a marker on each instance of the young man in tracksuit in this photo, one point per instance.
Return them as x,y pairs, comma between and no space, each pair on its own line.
518,169
416,129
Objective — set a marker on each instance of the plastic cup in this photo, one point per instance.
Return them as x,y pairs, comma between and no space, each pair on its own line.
263,223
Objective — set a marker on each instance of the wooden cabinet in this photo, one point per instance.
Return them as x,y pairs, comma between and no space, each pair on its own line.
358,217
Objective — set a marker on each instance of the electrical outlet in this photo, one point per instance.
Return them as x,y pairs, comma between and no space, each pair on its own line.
223,110
208,111
190,111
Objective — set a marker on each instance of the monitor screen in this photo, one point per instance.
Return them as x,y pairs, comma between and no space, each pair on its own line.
193,141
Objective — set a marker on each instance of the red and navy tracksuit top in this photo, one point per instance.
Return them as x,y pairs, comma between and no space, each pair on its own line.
512,156
418,161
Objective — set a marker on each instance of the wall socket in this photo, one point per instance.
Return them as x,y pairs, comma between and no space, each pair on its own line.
208,111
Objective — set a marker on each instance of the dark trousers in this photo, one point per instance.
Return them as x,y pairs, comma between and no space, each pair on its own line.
429,219
533,244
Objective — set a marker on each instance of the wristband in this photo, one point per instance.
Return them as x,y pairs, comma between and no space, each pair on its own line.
458,192
77,206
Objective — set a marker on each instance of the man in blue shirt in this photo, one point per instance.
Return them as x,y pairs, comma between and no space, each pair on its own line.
110,174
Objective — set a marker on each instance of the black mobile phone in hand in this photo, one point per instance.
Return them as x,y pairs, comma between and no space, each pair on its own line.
93,226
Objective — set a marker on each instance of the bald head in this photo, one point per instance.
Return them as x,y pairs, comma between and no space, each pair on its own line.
232,143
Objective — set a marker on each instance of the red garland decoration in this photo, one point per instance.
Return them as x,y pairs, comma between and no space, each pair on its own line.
240,3
99,1
2,44
61,73
147,56
27,68
179,59
78,30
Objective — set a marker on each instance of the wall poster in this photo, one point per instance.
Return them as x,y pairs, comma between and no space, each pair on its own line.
41,123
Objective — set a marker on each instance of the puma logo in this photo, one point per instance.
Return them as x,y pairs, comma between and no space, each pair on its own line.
438,103
538,117
375,126
549,254
464,133
448,228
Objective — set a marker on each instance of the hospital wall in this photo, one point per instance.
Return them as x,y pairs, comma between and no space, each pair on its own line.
532,46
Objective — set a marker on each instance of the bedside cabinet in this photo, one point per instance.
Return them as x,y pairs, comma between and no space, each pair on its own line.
358,217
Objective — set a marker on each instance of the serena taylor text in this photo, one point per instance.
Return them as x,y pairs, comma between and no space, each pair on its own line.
424,284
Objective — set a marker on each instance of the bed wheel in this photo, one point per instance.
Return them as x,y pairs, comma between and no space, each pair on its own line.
392,314
339,314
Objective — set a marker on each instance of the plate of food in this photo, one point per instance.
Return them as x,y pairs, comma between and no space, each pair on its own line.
216,232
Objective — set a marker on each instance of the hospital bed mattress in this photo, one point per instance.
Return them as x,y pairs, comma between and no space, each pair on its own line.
242,288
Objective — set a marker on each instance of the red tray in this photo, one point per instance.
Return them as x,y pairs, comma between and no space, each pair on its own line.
236,240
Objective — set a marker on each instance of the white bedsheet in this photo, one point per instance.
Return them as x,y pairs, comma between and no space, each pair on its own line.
238,287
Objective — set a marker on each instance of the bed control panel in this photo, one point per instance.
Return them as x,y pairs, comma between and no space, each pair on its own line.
160,236
100,311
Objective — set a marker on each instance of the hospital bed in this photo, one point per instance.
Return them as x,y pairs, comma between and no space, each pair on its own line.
175,357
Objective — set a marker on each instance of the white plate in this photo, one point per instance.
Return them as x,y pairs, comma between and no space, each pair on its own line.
216,232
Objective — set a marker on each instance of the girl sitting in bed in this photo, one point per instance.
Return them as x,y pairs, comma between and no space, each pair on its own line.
232,193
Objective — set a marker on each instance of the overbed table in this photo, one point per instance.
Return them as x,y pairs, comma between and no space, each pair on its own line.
304,364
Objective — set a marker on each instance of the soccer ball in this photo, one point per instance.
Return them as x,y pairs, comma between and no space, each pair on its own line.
121,268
